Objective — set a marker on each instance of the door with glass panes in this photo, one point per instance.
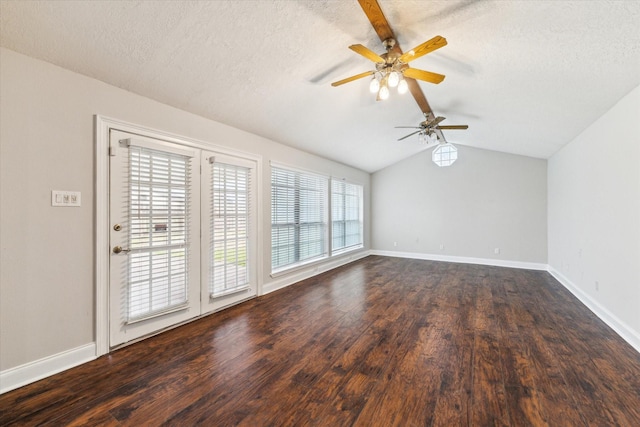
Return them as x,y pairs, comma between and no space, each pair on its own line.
182,237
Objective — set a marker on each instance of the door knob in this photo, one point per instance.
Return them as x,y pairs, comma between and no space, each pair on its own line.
118,249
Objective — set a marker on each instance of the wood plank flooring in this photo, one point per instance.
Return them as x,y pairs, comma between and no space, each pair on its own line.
380,342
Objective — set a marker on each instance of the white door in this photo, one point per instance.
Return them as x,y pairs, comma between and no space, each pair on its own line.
229,230
154,196
183,234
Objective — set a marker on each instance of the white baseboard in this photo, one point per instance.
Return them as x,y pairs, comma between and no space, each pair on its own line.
13,378
621,328
312,270
464,260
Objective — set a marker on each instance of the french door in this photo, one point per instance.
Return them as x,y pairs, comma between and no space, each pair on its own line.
182,234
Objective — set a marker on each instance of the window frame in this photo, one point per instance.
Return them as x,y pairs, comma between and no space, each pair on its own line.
360,244
329,252
324,221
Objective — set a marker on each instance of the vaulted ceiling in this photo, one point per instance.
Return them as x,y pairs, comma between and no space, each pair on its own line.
526,76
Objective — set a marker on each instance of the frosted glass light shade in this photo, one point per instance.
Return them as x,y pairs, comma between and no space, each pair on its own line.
384,92
403,87
394,79
374,86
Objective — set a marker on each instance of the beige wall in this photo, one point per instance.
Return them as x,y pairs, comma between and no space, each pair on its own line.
486,200
594,216
47,280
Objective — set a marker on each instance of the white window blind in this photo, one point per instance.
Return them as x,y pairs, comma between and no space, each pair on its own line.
298,217
158,231
229,216
346,215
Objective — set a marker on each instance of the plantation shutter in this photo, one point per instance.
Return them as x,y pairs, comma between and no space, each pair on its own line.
159,213
346,215
298,217
229,221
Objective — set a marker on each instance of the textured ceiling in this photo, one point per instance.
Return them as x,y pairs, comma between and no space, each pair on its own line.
526,76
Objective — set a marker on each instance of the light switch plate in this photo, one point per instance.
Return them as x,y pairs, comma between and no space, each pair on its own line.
65,198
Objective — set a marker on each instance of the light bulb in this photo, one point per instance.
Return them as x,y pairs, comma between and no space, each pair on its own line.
424,139
403,87
384,92
374,86
394,78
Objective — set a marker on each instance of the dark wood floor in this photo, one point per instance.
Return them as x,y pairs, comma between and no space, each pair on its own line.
380,342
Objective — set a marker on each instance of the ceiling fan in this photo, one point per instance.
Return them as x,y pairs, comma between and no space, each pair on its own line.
428,129
391,67
372,10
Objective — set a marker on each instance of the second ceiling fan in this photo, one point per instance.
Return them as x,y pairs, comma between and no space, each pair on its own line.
427,129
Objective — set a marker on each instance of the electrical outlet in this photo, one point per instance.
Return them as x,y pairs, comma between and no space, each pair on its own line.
597,286
442,246
395,244
496,251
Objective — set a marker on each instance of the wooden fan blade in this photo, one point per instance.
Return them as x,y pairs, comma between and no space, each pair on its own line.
352,78
369,54
429,46
412,133
426,76
452,127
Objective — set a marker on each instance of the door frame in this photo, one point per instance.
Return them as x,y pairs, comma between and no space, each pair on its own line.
102,127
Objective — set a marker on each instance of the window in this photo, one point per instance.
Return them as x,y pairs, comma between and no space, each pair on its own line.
346,216
444,155
298,217
158,209
228,268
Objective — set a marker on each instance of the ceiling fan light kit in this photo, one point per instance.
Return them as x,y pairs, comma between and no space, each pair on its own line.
392,67
428,138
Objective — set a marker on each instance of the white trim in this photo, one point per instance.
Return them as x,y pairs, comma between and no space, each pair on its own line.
621,328
289,268
101,254
313,270
19,376
146,132
464,260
